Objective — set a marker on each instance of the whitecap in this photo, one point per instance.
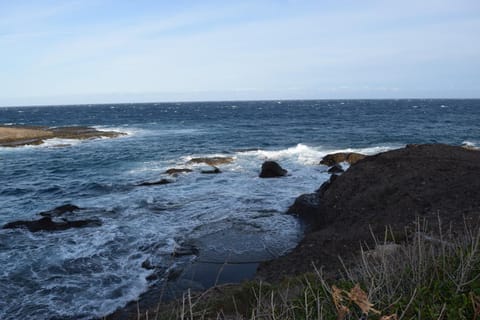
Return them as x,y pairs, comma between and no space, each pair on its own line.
128,131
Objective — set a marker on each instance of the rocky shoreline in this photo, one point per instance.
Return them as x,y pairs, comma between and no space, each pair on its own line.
17,136
395,189
431,182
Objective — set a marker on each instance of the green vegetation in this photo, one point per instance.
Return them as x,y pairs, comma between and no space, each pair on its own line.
427,276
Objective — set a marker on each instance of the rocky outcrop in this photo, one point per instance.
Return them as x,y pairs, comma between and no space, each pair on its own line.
46,223
336,158
389,189
175,171
271,169
15,136
185,249
211,161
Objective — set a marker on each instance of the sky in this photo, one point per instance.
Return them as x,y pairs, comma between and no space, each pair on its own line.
107,51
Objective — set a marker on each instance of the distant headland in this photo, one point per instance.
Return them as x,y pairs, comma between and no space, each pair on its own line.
17,136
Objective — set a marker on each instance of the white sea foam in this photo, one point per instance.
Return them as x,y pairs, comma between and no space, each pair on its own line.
469,143
58,143
307,155
129,131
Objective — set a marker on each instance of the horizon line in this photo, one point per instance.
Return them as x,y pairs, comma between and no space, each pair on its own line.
219,101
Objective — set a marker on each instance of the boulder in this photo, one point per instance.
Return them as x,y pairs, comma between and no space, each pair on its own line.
175,171
47,224
271,169
211,161
306,208
336,158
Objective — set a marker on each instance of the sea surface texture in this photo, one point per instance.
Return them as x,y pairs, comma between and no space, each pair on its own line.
233,216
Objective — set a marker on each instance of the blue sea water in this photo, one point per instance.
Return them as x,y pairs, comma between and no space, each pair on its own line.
232,216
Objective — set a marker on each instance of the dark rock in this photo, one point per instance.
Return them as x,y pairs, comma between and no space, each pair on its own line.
336,169
271,169
212,161
213,171
154,183
324,187
147,265
335,158
305,207
175,171
59,211
46,224
391,189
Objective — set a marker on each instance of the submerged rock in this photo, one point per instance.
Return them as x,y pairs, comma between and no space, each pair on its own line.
47,224
154,183
59,211
212,171
271,169
336,158
212,161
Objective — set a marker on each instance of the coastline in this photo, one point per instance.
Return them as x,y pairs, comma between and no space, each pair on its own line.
396,189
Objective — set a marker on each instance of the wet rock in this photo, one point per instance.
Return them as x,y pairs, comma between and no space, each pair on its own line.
335,158
154,183
336,169
47,224
59,211
175,171
213,171
212,161
271,169
185,249
147,264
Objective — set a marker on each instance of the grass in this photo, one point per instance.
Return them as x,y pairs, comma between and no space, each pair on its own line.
429,275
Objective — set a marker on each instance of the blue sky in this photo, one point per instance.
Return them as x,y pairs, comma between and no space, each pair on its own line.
101,51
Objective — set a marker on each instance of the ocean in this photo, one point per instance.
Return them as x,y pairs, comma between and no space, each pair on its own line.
232,217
